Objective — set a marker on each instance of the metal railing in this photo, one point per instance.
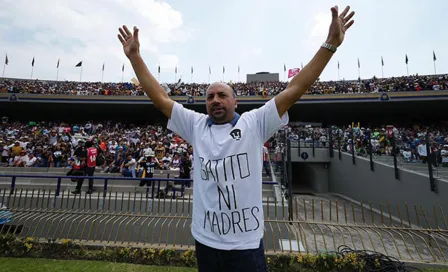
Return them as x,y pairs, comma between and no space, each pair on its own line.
317,224
396,160
156,183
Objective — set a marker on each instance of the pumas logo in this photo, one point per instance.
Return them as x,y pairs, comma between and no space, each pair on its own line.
236,134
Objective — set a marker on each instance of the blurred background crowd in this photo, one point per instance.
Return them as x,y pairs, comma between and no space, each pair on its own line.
373,85
53,144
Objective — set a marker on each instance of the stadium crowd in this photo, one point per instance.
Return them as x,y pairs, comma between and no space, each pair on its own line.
410,142
130,150
50,144
373,85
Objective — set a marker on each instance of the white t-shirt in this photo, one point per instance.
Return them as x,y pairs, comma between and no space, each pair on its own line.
132,164
31,162
227,202
444,154
421,148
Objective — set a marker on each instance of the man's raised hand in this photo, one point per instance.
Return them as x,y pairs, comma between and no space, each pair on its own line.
131,45
340,23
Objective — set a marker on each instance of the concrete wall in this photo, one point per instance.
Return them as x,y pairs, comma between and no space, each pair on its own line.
320,154
361,184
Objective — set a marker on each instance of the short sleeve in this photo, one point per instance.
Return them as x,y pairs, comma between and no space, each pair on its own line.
182,122
267,119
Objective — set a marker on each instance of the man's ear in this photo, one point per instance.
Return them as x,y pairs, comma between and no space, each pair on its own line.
236,104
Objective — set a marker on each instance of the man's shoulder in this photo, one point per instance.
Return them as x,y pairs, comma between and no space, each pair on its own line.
264,108
198,114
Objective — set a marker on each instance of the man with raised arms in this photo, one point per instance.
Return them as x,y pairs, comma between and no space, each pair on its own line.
228,218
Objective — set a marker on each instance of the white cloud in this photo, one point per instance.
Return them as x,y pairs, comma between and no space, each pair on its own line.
258,35
321,24
83,30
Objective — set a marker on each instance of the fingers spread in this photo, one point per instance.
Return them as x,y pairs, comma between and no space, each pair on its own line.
343,13
127,30
347,26
351,14
123,34
121,39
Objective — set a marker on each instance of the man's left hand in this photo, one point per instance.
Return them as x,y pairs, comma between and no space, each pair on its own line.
339,25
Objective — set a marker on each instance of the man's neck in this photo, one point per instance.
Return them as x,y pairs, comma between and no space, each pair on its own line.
232,121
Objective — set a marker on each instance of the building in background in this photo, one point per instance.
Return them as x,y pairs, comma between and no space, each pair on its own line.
262,76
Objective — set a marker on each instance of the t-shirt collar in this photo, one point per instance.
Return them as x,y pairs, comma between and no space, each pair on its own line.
232,122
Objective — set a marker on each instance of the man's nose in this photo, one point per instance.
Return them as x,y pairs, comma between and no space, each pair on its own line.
216,101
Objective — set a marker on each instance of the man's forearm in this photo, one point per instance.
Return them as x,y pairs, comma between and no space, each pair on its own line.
149,84
302,81
309,74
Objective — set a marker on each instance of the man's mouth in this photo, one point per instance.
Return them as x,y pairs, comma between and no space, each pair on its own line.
217,110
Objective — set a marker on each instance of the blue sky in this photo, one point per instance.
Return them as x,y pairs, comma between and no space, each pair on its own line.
258,35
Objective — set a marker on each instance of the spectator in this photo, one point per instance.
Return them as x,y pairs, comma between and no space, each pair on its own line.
373,85
444,154
128,167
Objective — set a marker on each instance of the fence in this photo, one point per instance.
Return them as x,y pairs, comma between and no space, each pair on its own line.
132,219
430,166
142,217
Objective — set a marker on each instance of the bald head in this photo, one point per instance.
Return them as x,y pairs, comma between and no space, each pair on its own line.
221,86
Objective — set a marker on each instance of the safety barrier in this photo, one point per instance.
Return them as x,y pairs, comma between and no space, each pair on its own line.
132,219
395,159
156,183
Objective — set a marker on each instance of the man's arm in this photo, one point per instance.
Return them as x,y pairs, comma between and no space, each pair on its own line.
309,74
152,88
302,81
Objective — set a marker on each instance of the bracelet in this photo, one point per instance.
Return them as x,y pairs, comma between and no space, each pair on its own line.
330,47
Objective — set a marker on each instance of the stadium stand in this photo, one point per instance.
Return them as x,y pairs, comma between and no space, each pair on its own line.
373,85
51,144
410,142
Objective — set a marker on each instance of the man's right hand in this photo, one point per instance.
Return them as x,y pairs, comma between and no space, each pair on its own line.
152,88
131,45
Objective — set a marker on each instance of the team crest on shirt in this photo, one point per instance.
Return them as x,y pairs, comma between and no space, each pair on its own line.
236,134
